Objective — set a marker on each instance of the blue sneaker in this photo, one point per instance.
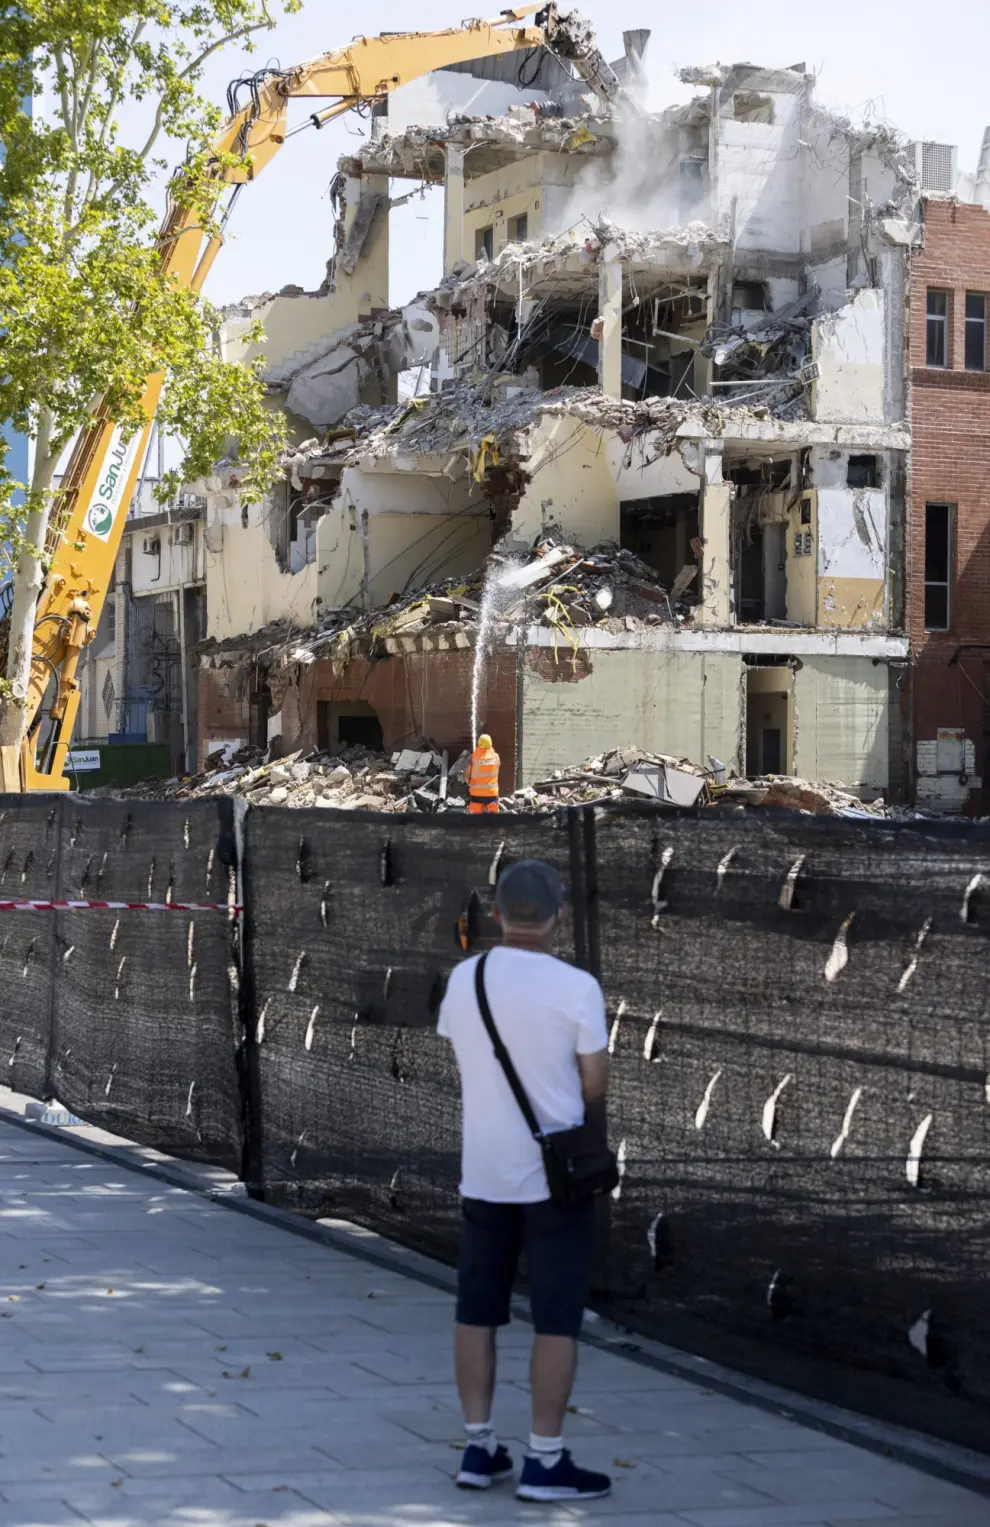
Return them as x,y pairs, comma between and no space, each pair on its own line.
481,1469
565,1481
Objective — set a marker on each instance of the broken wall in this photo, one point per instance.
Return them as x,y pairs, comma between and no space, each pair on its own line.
576,705
538,187
760,169
850,348
245,587
841,709
570,485
826,189
389,530
418,697
852,545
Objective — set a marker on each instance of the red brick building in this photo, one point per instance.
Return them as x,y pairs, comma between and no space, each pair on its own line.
947,555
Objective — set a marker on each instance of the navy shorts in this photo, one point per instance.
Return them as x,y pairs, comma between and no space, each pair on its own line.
559,1245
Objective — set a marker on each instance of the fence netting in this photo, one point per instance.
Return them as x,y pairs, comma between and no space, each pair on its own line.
352,933
128,1016
798,1015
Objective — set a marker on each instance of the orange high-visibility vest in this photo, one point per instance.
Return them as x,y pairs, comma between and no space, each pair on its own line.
482,773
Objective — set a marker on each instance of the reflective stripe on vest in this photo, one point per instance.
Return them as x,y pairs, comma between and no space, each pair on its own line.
483,776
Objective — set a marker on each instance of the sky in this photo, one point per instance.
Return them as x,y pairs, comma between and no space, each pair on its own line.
921,70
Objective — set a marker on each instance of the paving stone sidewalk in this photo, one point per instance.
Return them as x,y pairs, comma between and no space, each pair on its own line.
167,1362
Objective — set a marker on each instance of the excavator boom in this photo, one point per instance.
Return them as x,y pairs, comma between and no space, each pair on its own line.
96,490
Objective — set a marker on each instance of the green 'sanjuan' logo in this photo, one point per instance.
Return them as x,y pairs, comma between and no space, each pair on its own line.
100,519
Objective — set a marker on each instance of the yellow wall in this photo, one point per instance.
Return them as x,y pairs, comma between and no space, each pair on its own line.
571,485
802,571
493,199
852,602
770,702
245,588
295,323
413,549
716,511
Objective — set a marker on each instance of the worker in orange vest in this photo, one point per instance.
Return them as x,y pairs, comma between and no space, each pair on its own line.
482,777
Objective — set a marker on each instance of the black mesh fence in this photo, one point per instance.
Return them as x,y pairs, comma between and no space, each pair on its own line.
798,1018
127,1016
352,932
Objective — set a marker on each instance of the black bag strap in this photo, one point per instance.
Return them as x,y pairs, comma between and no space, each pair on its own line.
501,1053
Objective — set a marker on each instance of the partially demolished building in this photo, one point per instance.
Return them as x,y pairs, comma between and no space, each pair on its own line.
678,335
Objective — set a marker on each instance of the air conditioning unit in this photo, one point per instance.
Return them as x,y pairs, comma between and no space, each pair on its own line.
184,535
151,546
936,166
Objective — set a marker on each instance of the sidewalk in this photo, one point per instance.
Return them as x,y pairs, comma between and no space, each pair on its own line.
166,1362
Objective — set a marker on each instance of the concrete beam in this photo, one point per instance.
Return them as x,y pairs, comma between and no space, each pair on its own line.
610,313
453,207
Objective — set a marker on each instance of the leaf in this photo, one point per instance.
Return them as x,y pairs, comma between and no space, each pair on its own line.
110,1290
39,1287
274,1357
623,1463
223,1348
115,1484
245,1373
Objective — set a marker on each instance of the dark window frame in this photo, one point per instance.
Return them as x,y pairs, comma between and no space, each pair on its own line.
937,330
864,470
975,348
938,590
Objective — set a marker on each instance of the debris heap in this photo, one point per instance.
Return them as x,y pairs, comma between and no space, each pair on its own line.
424,780
559,586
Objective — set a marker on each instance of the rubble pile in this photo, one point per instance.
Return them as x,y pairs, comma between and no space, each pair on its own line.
623,774
559,586
349,779
418,779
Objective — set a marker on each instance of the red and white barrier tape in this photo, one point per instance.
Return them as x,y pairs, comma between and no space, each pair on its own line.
119,906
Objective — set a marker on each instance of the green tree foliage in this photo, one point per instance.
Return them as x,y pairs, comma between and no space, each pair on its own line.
86,311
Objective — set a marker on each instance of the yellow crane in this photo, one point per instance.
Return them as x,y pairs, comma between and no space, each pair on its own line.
99,482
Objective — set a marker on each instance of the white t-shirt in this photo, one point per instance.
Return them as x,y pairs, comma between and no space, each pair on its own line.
548,1014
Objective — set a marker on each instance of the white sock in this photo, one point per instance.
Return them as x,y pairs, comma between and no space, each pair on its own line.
482,1434
549,1450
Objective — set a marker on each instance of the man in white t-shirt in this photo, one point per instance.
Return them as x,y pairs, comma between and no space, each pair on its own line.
551,1018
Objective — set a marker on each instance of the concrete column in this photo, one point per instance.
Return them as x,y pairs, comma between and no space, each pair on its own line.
716,567
610,313
453,207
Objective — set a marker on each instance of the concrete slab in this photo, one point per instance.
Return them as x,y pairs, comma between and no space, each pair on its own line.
241,1374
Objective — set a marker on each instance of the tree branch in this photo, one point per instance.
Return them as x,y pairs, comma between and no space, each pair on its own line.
196,63
90,68
62,77
112,104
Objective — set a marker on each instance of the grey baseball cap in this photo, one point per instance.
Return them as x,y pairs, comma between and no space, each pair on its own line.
529,893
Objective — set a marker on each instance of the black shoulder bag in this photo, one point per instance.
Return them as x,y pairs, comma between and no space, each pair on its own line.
578,1162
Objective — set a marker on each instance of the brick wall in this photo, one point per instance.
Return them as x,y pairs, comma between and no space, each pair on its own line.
419,697
950,421
224,707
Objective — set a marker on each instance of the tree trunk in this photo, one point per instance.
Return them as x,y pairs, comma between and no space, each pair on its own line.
28,581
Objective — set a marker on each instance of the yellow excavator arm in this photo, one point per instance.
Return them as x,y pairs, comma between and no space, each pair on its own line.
99,482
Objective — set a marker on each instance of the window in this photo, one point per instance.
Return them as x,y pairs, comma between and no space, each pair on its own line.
519,228
484,243
750,295
938,566
976,331
863,472
936,333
